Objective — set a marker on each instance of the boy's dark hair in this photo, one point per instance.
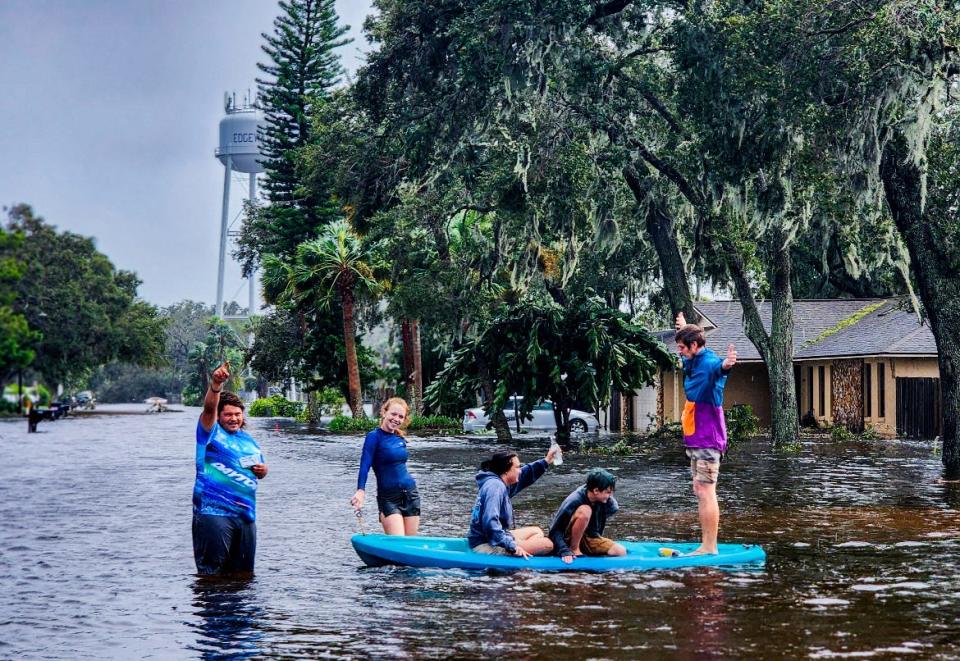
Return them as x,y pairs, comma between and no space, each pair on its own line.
228,398
600,478
499,463
690,334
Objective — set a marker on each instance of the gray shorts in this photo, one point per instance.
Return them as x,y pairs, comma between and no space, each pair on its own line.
704,464
489,549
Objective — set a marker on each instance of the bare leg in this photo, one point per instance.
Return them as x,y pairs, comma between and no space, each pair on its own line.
411,524
532,540
617,549
393,524
709,511
578,525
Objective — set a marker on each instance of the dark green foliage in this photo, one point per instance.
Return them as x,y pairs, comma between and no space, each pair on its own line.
87,312
117,382
348,424
300,73
275,406
434,423
438,423
569,354
16,337
741,423
221,344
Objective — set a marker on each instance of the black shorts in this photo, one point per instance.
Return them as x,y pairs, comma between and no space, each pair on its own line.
223,544
405,502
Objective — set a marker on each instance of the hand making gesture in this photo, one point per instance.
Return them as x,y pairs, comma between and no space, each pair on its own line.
731,358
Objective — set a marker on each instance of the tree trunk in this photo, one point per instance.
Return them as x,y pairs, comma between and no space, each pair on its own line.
313,407
777,347
660,227
417,403
408,362
497,418
561,418
939,287
350,344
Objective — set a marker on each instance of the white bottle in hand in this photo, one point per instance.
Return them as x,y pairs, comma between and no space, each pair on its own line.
558,457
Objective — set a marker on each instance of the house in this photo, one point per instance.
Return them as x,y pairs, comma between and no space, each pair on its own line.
857,362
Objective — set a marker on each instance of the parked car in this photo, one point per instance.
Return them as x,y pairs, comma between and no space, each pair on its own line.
540,419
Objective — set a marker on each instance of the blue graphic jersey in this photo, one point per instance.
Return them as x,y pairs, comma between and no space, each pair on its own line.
224,487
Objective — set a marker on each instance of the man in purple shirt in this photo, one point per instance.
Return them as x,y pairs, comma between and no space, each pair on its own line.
704,427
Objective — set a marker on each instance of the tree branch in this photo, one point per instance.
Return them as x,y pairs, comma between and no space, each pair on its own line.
607,9
671,173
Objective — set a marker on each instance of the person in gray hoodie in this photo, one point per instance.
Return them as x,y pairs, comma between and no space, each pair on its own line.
491,523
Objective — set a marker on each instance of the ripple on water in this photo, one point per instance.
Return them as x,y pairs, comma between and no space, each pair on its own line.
826,601
116,552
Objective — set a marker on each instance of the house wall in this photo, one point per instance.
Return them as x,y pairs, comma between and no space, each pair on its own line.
882,419
822,414
885,424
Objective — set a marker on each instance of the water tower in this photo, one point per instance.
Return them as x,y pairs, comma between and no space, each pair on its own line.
239,151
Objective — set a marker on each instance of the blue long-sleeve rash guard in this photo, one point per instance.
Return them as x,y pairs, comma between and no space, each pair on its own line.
492,514
387,455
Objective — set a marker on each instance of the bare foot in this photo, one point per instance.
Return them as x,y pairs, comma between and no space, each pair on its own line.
701,551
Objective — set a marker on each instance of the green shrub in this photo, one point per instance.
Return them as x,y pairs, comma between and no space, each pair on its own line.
40,395
741,422
437,422
626,446
671,430
331,401
7,408
275,406
840,433
347,424
869,433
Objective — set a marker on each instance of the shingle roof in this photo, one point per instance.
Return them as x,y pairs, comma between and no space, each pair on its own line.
890,329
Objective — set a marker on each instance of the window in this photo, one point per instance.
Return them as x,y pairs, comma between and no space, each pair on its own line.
881,390
822,379
867,390
810,389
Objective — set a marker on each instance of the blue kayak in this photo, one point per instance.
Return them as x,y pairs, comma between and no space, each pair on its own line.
453,553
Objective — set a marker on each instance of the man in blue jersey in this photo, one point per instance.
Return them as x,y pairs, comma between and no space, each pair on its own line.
229,463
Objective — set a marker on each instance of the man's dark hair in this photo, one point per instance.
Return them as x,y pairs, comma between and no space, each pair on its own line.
600,478
690,334
228,398
499,463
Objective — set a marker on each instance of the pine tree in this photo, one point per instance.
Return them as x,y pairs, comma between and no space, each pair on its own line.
302,70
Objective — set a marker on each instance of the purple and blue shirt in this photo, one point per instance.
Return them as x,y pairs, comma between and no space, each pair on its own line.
704,378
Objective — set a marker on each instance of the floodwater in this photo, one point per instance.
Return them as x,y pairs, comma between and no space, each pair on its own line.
863,544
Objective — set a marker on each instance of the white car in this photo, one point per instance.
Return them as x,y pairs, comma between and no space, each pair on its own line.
540,419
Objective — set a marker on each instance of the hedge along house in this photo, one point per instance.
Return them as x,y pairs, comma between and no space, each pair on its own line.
857,362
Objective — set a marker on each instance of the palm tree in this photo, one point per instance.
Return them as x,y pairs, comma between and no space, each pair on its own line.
336,266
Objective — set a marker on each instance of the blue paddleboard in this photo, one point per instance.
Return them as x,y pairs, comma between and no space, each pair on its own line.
453,553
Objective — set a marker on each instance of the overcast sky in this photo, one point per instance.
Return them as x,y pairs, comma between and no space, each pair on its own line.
108,121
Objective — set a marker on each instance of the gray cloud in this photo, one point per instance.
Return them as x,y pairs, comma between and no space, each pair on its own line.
108,121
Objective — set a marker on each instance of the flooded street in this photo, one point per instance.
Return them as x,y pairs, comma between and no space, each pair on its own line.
863,544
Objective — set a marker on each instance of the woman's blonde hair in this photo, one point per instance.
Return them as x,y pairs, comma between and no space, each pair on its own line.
406,413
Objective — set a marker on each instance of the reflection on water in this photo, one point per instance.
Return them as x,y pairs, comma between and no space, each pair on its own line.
228,617
863,543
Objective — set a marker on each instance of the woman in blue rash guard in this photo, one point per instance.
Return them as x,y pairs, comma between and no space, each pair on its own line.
385,450
229,463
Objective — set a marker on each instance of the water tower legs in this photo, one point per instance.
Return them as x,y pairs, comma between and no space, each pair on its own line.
227,173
